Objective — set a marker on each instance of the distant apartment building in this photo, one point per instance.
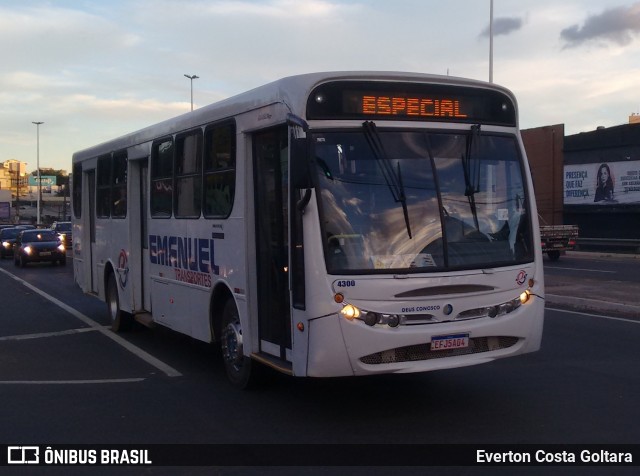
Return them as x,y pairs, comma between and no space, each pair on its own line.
10,171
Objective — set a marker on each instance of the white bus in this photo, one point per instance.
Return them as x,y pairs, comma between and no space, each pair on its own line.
327,224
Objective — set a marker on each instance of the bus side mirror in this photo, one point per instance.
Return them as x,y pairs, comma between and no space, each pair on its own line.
301,177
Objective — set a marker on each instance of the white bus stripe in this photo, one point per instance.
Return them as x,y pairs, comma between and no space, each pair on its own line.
150,359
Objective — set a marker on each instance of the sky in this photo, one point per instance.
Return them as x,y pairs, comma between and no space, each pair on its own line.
92,70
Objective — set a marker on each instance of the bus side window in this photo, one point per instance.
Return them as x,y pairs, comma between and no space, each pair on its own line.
219,170
77,190
188,175
119,186
103,190
162,178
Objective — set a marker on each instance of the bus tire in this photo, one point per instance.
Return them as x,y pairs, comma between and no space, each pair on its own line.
239,367
554,255
119,319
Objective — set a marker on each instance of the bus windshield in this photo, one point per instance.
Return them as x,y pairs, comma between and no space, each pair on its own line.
424,201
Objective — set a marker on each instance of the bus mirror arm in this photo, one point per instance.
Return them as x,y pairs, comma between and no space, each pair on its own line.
297,121
304,201
300,170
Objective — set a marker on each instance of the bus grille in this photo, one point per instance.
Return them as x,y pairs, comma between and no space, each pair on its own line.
423,351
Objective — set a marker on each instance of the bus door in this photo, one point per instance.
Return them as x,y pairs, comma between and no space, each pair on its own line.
90,249
144,235
270,161
138,191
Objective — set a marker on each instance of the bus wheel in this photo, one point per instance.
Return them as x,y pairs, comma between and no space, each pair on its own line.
119,319
237,365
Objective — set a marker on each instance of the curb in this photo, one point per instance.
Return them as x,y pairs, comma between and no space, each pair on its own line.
602,254
593,305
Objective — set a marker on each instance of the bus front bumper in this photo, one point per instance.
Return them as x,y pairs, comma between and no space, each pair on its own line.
339,347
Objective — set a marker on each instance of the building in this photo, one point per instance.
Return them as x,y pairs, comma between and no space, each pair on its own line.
591,179
8,171
544,147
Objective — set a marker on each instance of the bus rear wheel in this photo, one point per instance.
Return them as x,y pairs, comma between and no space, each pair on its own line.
237,365
120,320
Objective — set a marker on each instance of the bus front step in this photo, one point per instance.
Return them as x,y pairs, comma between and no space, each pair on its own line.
145,319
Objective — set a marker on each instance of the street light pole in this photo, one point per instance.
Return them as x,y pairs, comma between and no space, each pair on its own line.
491,42
38,167
192,77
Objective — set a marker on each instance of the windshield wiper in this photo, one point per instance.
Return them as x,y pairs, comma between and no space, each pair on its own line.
392,179
471,169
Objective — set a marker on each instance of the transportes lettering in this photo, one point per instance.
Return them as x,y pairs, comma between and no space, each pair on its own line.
192,258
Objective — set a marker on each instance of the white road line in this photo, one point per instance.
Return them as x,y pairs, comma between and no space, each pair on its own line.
150,359
583,269
67,382
49,334
632,321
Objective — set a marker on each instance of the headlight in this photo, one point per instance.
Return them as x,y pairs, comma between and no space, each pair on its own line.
61,247
524,297
6,244
350,312
28,250
497,310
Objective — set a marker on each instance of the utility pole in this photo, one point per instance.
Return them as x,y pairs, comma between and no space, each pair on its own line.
38,166
192,77
491,42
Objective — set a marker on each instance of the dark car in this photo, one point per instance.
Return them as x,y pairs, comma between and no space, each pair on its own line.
39,245
7,239
63,228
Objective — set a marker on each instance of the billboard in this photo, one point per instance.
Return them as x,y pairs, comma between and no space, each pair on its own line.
606,183
45,180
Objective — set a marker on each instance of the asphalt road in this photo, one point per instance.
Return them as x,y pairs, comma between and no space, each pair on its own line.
595,282
64,378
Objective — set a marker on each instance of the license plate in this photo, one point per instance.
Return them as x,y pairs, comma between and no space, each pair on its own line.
455,341
45,253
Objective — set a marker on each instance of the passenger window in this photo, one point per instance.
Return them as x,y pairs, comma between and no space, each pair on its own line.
77,190
103,192
219,170
162,178
188,175
119,185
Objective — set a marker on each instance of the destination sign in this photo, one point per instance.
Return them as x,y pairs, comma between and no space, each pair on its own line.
413,101
411,106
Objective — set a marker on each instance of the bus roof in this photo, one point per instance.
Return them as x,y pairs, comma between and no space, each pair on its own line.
292,91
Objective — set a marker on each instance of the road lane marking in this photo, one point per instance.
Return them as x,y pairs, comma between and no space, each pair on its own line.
150,359
581,269
72,382
611,318
49,334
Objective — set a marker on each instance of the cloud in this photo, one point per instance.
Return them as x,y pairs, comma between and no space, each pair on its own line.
503,26
277,8
618,25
